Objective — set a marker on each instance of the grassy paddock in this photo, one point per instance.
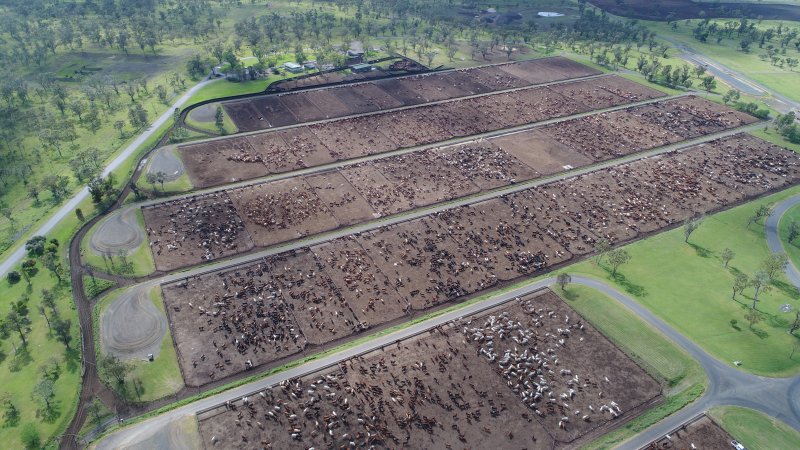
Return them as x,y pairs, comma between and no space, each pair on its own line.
154,380
688,287
141,259
754,429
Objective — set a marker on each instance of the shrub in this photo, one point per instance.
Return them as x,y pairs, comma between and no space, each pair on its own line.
30,436
13,277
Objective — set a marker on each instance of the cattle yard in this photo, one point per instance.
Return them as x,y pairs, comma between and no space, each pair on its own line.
310,145
699,433
330,291
297,107
529,373
280,211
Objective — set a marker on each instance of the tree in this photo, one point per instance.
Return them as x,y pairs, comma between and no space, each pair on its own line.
617,258
11,415
794,230
119,125
709,83
760,283
62,330
775,264
689,227
33,192
796,323
699,71
563,280
13,277
79,214
727,256
219,120
35,246
740,283
753,317
30,437
49,301
43,312
52,263
601,247
20,323
732,95
58,185
761,212
44,392
115,368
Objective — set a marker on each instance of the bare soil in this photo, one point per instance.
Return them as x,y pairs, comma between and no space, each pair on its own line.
352,138
485,164
194,230
444,257
541,152
273,110
282,210
302,108
453,386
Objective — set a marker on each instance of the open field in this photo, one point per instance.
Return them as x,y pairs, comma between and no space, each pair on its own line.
755,430
382,397
439,259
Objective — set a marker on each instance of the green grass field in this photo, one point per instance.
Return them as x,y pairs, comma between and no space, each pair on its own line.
227,123
793,248
754,429
154,380
689,288
21,371
682,377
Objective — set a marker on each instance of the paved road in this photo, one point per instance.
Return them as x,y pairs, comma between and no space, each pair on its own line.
774,240
777,397
735,79
68,207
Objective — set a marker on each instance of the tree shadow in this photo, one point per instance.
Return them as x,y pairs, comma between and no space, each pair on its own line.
569,294
49,415
21,359
72,358
762,334
701,251
628,286
788,289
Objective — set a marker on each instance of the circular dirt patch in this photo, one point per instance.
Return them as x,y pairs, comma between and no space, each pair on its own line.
165,160
132,326
119,231
204,113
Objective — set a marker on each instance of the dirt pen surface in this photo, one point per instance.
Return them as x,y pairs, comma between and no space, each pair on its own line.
194,230
702,433
346,138
265,112
281,211
335,290
528,374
